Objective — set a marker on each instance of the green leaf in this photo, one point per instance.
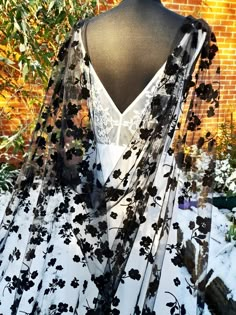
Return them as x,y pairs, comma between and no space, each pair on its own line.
16,25
22,47
25,70
61,17
24,28
51,5
6,60
35,28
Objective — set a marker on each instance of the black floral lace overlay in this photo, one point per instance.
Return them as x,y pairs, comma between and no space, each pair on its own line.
74,243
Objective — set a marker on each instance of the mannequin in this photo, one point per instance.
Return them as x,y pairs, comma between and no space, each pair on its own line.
128,44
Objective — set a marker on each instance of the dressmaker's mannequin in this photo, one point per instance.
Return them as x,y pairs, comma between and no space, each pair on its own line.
128,44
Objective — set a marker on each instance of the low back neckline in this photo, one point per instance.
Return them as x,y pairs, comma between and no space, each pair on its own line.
82,34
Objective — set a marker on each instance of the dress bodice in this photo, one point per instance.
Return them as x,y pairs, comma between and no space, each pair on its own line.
110,125
114,130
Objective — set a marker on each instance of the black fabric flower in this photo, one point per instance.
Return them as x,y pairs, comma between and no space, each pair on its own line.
117,173
115,301
177,281
157,104
76,258
171,67
152,191
74,283
176,226
85,93
211,112
113,215
146,241
178,260
134,274
72,109
145,133
127,155
92,230
191,225
87,59
139,194
204,224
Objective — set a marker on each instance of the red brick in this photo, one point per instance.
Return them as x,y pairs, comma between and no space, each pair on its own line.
227,22
175,7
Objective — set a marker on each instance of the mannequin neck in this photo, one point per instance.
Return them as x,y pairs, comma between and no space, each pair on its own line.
140,2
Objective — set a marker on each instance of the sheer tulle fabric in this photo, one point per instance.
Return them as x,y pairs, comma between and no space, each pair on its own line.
78,238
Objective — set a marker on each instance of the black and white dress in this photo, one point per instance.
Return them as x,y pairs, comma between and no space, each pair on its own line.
109,204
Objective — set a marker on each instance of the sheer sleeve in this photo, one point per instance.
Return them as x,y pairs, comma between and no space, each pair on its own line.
56,145
195,151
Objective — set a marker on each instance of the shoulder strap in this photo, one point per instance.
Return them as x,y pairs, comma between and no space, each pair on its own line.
83,25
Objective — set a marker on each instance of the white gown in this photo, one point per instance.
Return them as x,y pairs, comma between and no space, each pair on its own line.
46,267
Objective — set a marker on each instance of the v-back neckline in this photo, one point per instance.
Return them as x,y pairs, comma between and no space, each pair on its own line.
137,98
156,75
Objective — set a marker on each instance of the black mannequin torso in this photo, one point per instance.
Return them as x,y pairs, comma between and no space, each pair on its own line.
128,44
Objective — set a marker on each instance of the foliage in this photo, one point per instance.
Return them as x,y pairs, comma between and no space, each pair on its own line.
225,179
31,32
7,176
231,233
226,143
15,142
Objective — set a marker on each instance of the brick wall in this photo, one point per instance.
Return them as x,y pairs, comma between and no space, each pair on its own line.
220,15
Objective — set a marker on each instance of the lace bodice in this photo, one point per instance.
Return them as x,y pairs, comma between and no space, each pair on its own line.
112,126
113,129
